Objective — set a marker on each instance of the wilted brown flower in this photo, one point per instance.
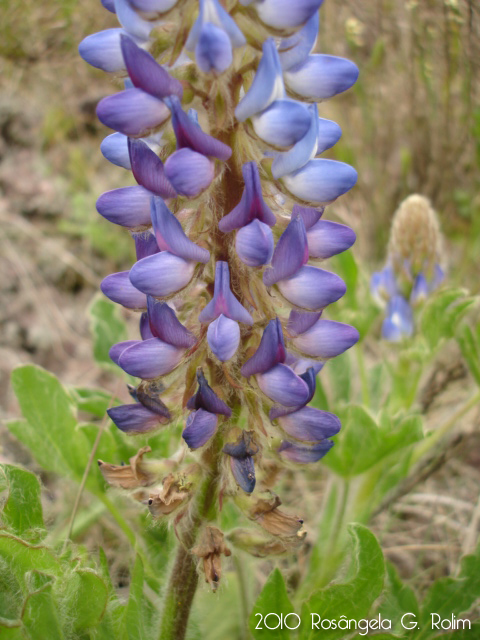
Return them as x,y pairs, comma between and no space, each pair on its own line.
129,476
210,548
175,492
260,544
266,512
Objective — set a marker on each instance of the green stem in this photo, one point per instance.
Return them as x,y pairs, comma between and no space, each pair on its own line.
335,537
242,587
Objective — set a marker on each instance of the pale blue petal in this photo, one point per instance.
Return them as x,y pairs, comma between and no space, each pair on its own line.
161,274
312,288
189,172
303,151
296,48
102,50
282,385
321,181
326,339
254,244
115,149
213,52
283,123
321,77
223,337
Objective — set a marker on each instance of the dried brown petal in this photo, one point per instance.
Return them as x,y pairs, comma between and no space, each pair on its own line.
129,476
210,547
174,493
262,545
265,511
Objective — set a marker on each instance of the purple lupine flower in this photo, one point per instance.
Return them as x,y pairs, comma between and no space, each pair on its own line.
214,283
413,269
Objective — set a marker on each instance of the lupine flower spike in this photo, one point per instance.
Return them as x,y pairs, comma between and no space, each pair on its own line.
227,220
413,268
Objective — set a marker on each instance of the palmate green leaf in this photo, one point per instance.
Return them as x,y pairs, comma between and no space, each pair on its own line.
22,509
85,596
449,596
107,328
397,599
273,599
469,343
361,433
50,431
339,371
354,598
442,313
40,616
93,401
21,557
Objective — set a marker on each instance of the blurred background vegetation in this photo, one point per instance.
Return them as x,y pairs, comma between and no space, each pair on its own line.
411,124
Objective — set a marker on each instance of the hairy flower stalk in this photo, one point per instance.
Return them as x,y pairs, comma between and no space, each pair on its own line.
413,268
224,142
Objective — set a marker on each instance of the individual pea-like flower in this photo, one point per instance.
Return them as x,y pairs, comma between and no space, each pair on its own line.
413,268
231,293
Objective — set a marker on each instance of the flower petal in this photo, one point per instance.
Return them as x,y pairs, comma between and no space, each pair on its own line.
321,180
189,134
171,236
310,216
251,206
150,358
118,288
243,471
223,300
321,77
115,149
326,239
301,321
145,244
165,325
329,133
102,50
147,169
296,48
284,14
267,85
398,323
161,6
383,285
206,398
303,150
132,112
117,349
310,425
135,419
161,274
211,11
189,172
282,124
131,20
145,72
326,339
282,385
201,426
144,327
312,288
213,51
270,351
304,454
223,337
254,244
290,254
127,206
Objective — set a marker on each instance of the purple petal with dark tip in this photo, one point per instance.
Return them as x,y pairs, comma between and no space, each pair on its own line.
321,76
145,72
270,352
118,288
149,396
312,288
398,323
213,51
310,216
145,331
321,180
267,85
147,169
282,124
223,337
282,385
117,349
329,133
132,112
189,172
254,244
131,21
127,206
326,339
161,274
304,454
115,149
171,236
150,358
201,426
290,254
310,425
102,50
243,471
206,398
251,205
135,419
285,14
145,244
302,151
223,300
296,48
310,378
165,325
326,239
301,321
190,135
